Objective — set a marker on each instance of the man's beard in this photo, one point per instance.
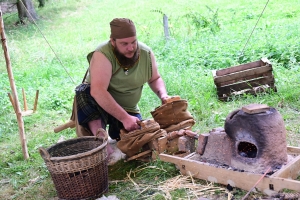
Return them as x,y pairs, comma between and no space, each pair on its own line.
123,60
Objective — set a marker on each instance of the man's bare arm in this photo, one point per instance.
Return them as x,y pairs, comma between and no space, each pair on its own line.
156,83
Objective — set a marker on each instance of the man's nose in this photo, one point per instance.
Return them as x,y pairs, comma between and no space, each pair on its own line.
130,47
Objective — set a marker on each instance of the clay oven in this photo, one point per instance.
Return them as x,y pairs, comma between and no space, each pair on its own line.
255,139
259,138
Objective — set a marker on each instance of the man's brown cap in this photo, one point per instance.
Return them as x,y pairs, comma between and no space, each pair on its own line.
122,28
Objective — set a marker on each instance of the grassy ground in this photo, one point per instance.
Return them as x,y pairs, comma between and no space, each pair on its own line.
205,36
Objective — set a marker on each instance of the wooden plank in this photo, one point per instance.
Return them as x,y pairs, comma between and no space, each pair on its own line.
243,180
293,150
255,108
254,73
290,171
27,113
237,68
244,85
248,78
253,91
266,71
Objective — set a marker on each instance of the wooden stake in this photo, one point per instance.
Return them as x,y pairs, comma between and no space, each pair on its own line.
24,100
166,26
36,100
13,88
12,101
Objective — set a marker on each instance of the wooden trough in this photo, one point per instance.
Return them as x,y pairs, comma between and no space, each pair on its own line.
255,77
270,185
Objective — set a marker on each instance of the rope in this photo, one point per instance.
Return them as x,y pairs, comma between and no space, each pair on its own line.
254,27
48,42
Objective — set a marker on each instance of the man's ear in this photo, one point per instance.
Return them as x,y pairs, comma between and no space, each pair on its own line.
113,42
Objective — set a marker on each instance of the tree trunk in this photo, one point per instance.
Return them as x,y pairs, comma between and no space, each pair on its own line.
41,3
26,10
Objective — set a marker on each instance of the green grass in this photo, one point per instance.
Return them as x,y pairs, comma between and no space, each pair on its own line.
205,36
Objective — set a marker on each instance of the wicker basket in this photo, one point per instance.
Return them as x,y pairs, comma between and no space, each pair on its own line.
78,167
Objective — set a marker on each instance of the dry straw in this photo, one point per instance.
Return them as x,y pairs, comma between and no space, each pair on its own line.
194,189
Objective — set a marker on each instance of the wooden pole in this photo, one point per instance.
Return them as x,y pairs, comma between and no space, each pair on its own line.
36,100
24,100
166,26
13,88
12,101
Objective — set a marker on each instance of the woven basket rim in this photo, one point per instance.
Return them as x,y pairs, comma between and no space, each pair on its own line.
47,156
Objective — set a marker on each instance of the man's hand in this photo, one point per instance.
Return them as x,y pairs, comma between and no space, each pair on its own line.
131,123
168,99
164,99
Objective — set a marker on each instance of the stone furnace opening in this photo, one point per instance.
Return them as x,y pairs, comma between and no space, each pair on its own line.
247,150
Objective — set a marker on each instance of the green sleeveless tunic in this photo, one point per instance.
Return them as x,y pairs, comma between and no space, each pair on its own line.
127,89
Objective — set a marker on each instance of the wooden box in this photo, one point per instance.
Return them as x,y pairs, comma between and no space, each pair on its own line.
255,77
